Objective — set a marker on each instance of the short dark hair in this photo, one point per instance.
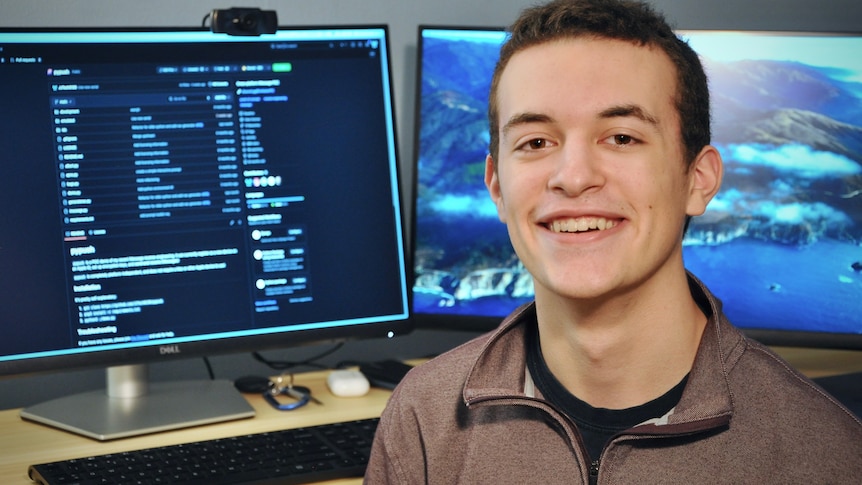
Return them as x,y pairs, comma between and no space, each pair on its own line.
619,20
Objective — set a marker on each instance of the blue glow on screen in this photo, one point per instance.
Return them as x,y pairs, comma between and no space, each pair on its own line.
781,244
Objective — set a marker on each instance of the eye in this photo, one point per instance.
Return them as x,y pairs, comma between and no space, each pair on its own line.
534,144
621,140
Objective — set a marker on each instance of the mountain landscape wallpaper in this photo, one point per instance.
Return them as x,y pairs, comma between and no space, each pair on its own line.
781,244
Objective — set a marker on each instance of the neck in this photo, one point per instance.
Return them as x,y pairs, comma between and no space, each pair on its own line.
626,350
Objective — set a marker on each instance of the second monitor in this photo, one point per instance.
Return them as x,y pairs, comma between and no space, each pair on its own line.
780,244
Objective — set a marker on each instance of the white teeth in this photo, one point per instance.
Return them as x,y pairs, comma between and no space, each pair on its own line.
582,224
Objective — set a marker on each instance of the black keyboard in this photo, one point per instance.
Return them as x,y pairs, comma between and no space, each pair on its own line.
292,456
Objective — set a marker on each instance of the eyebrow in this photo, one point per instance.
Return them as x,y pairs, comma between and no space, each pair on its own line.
629,110
525,118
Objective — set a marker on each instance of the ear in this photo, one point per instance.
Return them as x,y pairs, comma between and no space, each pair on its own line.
492,182
705,180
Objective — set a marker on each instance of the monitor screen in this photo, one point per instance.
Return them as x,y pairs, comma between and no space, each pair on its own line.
177,193
780,245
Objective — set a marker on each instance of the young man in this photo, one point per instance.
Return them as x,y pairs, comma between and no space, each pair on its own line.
625,369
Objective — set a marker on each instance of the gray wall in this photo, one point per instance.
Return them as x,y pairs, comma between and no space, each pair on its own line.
403,17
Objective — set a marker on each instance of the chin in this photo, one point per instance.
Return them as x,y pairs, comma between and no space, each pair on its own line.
577,287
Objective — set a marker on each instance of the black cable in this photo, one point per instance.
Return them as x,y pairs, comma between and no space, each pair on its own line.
209,368
285,365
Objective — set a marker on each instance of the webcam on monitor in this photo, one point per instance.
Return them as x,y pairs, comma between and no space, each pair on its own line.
244,21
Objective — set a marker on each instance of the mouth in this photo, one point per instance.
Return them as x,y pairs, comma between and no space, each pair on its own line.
581,224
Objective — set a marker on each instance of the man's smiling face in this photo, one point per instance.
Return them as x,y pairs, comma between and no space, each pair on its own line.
590,176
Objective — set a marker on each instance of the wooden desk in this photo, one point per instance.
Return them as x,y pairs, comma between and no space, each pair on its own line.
23,443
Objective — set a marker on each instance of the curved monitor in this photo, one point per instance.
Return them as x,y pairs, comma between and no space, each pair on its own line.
179,193
781,244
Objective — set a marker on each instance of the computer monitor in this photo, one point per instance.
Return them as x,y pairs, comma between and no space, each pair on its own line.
176,193
781,244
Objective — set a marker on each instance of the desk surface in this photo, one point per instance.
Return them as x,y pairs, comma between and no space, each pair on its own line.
24,443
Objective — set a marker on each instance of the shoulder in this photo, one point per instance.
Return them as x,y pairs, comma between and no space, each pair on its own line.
762,368
442,375
424,408
497,355
766,386
762,386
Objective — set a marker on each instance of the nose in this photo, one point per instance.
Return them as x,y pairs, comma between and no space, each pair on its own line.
576,171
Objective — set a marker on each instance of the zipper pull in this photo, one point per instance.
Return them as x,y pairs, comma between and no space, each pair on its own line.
594,472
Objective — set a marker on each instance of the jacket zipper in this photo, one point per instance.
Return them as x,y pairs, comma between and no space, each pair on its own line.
594,472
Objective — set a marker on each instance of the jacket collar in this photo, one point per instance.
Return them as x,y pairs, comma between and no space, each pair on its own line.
499,370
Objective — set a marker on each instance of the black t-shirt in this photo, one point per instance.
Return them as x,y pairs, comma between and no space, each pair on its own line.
597,425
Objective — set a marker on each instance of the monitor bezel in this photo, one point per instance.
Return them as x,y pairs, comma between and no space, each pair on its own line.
387,327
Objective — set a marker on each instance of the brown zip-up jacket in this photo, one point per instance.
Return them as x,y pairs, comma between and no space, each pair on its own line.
471,416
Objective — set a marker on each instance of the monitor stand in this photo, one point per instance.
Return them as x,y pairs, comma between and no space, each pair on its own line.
132,406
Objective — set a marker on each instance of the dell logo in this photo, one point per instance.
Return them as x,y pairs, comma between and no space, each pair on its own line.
169,349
